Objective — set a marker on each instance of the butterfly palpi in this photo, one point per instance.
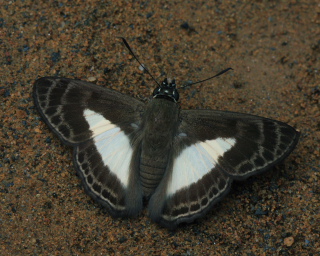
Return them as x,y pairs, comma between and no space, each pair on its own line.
181,161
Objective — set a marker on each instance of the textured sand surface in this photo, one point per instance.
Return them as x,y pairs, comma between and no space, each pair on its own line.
273,47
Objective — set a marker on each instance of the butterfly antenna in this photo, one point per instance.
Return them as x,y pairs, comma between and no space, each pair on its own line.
127,45
220,73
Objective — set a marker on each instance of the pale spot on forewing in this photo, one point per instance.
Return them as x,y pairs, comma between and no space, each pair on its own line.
135,126
112,144
98,124
196,161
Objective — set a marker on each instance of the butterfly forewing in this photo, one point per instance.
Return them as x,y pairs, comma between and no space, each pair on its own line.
63,104
259,142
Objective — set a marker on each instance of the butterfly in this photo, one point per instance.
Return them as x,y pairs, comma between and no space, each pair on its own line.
181,162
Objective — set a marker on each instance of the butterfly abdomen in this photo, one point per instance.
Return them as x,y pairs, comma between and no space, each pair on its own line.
150,177
159,124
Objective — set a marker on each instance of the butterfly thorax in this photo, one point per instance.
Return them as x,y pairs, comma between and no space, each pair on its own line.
159,124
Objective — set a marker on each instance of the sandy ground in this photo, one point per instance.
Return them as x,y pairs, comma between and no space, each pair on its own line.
273,47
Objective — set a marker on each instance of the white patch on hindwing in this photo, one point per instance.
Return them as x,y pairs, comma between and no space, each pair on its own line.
112,144
196,161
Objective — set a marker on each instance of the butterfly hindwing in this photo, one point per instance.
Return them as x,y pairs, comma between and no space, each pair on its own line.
99,123
211,149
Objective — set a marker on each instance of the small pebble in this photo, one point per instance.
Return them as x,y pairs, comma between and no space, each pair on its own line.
92,79
288,241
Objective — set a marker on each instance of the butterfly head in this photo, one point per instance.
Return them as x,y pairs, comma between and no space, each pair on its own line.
167,90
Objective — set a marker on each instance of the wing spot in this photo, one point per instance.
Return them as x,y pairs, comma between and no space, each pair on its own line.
267,155
194,207
96,187
285,140
285,130
90,179
43,87
180,211
135,126
80,157
84,167
109,197
42,98
56,120
214,191
221,184
283,146
204,201
258,161
64,129
51,111
246,168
